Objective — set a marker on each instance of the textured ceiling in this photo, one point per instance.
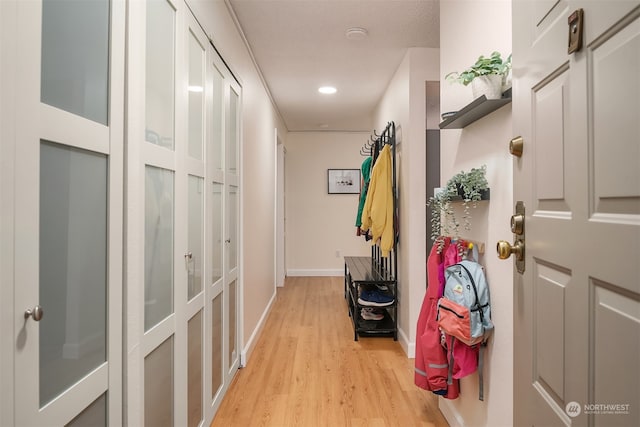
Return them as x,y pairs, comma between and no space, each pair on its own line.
300,45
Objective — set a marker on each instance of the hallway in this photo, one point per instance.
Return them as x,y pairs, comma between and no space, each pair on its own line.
307,370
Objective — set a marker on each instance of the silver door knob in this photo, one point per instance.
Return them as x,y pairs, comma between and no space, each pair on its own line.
37,312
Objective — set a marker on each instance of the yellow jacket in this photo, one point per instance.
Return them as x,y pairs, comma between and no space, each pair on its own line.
377,214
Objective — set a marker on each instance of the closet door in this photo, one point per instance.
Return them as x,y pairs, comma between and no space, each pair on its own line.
194,257
68,120
180,353
223,294
158,204
232,225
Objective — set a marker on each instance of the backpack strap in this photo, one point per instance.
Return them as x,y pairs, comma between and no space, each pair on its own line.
480,370
450,374
484,341
475,292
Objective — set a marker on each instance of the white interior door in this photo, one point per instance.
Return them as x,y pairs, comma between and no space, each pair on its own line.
232,227
577,305
223,236
68,212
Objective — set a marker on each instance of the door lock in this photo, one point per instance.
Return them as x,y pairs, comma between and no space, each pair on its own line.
517,224
505,249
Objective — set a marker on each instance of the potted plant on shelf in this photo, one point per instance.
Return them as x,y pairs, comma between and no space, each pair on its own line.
487,76
469,187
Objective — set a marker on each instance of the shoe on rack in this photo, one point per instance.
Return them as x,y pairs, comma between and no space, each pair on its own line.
374,298
370,313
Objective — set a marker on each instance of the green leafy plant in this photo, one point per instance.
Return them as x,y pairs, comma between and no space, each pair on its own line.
493,64
466,186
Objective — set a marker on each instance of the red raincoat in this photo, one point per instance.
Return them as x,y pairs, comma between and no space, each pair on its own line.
431,365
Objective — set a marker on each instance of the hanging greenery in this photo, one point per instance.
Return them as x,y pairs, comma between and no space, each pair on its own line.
468,187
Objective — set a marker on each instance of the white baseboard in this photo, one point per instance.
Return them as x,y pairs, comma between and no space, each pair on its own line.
324,272
248,349
408,346
450,413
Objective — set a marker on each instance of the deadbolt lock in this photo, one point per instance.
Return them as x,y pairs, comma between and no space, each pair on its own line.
517,224
505,249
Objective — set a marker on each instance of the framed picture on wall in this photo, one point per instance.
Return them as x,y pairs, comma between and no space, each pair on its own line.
343,181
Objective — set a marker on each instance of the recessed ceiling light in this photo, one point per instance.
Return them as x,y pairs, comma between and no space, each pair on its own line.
195,88
356,33
327,90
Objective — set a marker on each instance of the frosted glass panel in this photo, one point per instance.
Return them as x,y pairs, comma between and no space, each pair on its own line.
216,111
158,245
216,345
233,332
196,234
194,375
233,227
196,97
73,266
95,415
232,133
160,77
75,57
158,386
217,232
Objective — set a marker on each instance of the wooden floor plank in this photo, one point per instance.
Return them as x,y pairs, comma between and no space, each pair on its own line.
306,370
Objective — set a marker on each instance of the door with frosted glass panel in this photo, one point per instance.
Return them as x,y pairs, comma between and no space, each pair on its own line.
195,261
68,212
232,225
159,176
223,240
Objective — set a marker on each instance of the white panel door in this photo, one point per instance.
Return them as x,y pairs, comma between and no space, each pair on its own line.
232,226
69,68
222,322
577,305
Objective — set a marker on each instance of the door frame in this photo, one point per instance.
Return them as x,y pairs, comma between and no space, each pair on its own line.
280,212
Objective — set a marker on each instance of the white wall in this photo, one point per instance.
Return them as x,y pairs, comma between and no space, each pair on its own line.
319,224
404,102
259,118
467,30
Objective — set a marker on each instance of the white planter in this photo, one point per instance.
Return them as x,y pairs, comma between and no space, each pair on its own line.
489,86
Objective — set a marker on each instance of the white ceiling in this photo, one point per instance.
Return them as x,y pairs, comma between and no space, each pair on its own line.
300,45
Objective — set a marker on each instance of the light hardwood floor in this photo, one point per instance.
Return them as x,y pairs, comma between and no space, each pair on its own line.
307,370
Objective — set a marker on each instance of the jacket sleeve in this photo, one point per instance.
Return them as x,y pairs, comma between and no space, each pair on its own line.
368,203
386,242
432,367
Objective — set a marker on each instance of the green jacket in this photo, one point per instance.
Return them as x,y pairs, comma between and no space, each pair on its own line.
366,175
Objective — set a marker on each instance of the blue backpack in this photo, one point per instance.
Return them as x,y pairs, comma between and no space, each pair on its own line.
464,311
